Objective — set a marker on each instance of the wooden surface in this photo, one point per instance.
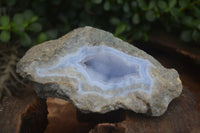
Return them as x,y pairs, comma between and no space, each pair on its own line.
161,39
62,118
23,115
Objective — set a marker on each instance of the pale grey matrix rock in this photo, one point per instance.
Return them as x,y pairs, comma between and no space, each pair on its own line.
98,72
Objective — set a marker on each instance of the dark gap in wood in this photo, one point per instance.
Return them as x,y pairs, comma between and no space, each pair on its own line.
110,117
34,119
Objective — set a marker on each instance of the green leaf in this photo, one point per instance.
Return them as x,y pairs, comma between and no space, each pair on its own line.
114,21
196,11
88,5
120,1
126,7
10,2
150,16
188,21
177,14
52,34
137,35
18,29
152,5
25,39
42,37
136,19
6,27
4,20
134,5
120,29
35,27
106,5
162,5
33,19
28,14
172,3
186,35
183,3
25,24
145,36
96,1
198,26
196,36
5,36
142,4
18,18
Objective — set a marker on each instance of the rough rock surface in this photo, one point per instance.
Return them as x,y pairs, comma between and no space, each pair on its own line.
98,72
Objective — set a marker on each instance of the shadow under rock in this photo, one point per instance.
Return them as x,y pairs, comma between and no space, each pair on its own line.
110,117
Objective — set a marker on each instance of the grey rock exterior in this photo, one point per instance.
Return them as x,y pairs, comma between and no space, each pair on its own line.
69,68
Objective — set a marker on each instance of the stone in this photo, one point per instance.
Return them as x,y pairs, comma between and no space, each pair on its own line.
98,72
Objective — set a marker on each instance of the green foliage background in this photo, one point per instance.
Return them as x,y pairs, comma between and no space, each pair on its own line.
30,22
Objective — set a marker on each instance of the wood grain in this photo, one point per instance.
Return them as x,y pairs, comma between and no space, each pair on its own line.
23,115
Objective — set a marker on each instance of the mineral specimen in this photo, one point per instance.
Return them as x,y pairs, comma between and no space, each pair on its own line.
98,72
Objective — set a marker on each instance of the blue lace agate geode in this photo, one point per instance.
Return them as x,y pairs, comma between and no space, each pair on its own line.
104,67
98,72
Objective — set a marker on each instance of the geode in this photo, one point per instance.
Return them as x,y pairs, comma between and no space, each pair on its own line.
98,72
